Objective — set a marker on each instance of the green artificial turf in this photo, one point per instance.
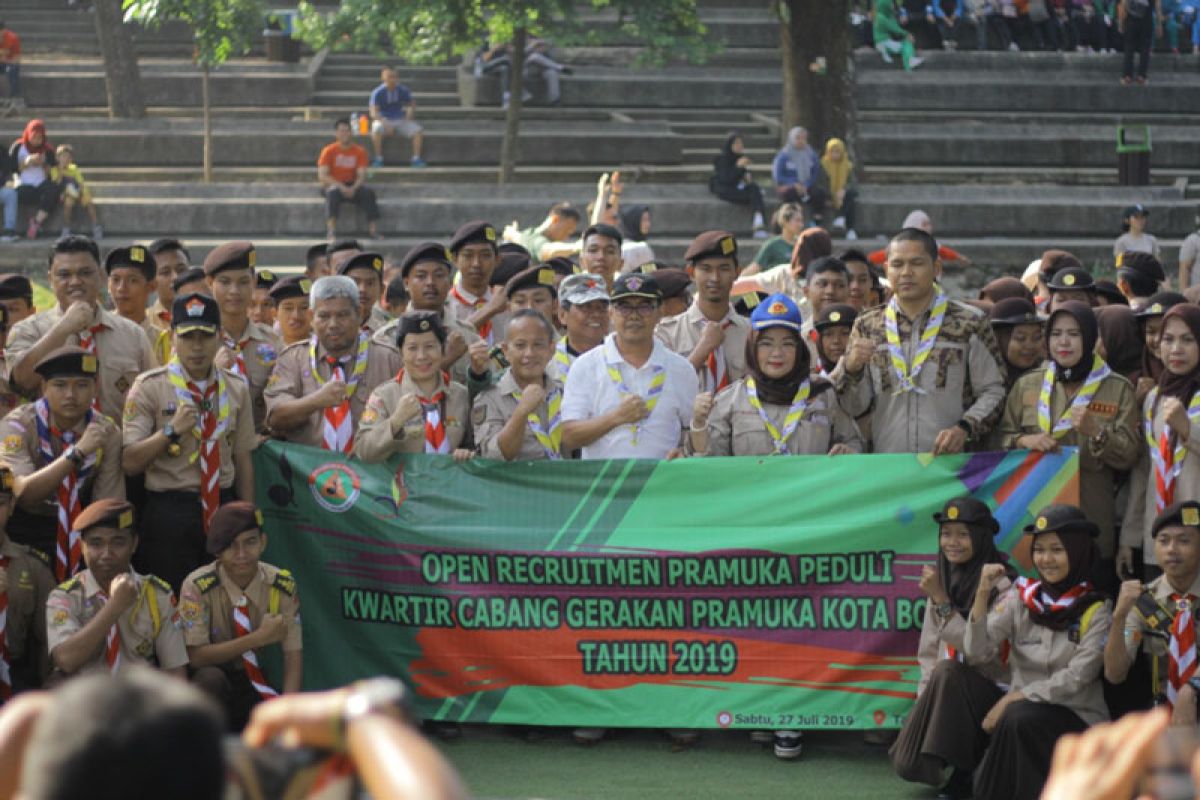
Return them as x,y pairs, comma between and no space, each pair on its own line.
499,763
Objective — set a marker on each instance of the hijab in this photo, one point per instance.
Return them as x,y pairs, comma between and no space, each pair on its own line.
782,391
35,126
802,158
1123,340
962,580
1086,318
631,223
728,159
1081,559
811,244
1181,386
838,171
1004,289
1005,315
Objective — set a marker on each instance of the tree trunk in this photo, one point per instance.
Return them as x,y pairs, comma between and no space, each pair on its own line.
207,127
818,69
122,78
512,121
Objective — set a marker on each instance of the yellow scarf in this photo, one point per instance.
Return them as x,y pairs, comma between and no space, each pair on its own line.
838,171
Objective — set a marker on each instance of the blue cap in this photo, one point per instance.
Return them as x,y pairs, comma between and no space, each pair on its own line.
777,311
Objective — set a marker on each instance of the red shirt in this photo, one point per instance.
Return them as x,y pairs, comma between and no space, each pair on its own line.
343,162
10,45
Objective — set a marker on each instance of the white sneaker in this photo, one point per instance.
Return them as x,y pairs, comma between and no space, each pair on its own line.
887,59
851,236
1016,48
840,223
915,62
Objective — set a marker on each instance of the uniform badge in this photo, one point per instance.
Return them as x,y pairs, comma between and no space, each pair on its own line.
489,233
777,308
952,512
122,384
266,353
377,263
1191,516
24,580
137,255
1068,280
251,258
835,316
1155,309
634,283
13,444
58,618
369,416
267,275
305,285
1041,523
88,363
145,649
478,415
728,246
194,307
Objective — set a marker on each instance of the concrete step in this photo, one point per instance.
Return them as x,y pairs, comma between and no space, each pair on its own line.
1051,63
342,97
278,85
1105,177
328,83
1038,118
618,56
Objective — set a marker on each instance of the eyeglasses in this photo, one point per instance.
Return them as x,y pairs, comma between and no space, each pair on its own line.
641,309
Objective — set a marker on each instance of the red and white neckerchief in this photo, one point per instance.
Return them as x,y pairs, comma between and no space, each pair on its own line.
1181,661
433,409
242,627
165,316
112,643
337,428
87,340
5,668
236,347
209,447
479,302
1167,460
716,376
1036,600
68,547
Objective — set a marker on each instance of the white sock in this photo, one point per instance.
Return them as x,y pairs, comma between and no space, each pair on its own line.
758,220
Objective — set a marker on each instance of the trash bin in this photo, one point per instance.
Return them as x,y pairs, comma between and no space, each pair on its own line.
281,47
1133,155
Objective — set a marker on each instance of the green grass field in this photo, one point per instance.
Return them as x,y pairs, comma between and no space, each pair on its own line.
499,763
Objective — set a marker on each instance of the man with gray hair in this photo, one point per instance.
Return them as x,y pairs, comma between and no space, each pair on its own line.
795,170
319,387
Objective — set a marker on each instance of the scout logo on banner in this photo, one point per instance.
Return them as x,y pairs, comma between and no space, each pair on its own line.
724,592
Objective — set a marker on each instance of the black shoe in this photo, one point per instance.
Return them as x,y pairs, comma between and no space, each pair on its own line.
959,787
567,71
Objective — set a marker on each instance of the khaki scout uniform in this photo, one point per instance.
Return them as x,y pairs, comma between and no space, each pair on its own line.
1140,514
736,429
160,339
963,379
9,398
122,349
1115,407
150,629
374,440
939,634
292,379
458,371
494,408
681,334
158,315
1048,666
29,585
209,595
260,352
1155,639
151,405
377,319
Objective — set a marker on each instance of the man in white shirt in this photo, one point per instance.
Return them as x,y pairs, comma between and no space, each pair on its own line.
631,397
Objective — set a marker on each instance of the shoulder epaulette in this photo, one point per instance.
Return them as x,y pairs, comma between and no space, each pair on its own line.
38,554
207,581
70,583
160,583
284,582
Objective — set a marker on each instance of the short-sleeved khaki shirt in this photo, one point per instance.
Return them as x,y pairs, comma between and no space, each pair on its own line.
493,409
458,371
29,584
259,348
374,440
682,333
122,350
208,596
20,449
151,404
293,379
143,640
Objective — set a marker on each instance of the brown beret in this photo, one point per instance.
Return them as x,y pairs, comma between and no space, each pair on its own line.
106,513
426,251
228,522
291,286
231,255
712,243
365,260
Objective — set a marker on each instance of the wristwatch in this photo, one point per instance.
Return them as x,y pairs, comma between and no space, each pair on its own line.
73,455
944,610
371,696
170,432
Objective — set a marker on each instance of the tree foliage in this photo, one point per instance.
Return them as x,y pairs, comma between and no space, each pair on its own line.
222,28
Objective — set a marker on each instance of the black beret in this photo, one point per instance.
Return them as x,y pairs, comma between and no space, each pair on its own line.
106,513
342,244
265,279
511,264
671,281
1072,278
532,278
195,312
420,322
712,243
1184,513
231,255
562,266
601,229
744,304
967,510
291,286
69,361
474,232
136,256
14,287
1013,311
633,284
834,315
1159,304
1107,289
1062,519
228,522
425,251
189,275
371,261
1142,263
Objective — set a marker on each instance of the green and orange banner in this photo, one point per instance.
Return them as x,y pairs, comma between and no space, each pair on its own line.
697,593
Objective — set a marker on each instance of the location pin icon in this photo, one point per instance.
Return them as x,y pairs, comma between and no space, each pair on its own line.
880,716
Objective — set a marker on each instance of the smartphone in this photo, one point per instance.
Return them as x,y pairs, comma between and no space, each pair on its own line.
1168,773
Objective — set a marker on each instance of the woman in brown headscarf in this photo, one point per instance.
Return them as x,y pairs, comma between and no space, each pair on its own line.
1169,468
1122,340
